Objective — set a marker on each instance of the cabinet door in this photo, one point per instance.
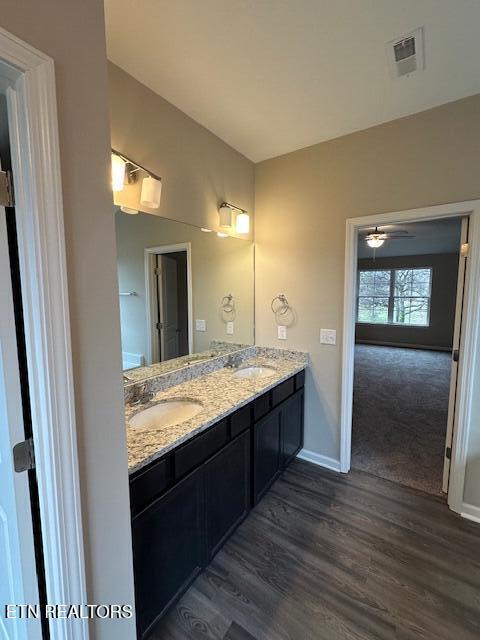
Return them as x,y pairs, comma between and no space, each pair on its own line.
292,427
167,548
227,491
266,452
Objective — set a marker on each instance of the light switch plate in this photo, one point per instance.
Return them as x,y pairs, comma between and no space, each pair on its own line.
230,328
281,332
200,325
328,336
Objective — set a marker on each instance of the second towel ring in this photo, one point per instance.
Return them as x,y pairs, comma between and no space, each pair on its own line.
282,307
228,304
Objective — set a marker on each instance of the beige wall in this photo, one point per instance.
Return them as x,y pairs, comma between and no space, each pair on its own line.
302,201
72,33
198,170
219,266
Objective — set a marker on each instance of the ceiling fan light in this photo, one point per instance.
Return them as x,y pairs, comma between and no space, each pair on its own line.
375,242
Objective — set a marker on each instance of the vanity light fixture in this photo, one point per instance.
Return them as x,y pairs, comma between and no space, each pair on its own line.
225,212
125,170
205,230
129,210
118,172
220,234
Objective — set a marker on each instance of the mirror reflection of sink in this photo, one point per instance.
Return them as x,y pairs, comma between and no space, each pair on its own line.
165,414
254,372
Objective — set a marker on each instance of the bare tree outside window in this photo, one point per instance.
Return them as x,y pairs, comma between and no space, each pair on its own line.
395,296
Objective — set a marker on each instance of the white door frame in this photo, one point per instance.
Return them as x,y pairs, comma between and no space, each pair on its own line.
150,294
470,333
33,127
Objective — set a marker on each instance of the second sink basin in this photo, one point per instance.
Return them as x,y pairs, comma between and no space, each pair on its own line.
165,414
254,372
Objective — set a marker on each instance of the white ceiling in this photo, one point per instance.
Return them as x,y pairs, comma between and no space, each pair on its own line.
432,236
271,76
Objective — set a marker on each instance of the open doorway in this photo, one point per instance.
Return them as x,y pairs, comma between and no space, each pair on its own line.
169,301
462,376
408,276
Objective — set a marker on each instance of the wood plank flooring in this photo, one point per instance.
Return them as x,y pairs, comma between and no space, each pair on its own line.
332,557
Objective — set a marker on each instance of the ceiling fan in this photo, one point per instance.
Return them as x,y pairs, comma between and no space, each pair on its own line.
376,238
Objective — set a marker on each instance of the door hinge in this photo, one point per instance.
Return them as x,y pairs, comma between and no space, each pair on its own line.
157,271
456,355
24,456
6,189
159,325
448,453
464,249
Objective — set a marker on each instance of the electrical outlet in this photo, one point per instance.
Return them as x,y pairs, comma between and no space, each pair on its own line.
328,336
200,325
281,332
230,328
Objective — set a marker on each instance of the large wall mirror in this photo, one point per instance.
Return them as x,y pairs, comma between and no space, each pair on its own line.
185,293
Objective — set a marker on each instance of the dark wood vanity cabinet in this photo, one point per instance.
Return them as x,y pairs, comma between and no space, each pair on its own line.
227,492
167,548
266,453
291,423
277,438
186,504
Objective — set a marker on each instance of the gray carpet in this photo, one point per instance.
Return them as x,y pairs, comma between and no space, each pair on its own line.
400,406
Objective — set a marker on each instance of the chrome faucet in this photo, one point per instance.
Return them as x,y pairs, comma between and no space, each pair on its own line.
233,362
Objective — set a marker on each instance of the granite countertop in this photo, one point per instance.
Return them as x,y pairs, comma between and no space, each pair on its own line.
220,393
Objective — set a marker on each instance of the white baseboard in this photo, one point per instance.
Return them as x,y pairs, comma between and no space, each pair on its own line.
322,461
470,512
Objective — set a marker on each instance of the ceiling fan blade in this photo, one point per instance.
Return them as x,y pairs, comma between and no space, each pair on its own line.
399,237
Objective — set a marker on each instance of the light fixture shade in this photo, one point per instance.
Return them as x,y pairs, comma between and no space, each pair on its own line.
375,242
242,223
151,193
118,172
220,234
225,216
129,210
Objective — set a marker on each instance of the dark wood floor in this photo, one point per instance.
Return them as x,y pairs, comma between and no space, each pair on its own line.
333,557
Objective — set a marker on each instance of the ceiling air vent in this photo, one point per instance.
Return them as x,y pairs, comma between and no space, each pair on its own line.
406,54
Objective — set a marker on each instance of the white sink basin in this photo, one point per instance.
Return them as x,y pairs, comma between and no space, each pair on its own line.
254,372
165,414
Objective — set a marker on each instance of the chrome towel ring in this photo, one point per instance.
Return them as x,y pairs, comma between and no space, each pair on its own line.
280,305
227,304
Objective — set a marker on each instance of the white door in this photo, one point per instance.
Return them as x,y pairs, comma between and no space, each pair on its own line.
18,578
457,341
168,306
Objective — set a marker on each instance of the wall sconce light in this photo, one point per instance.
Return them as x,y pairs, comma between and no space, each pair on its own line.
151,192
118,172
225,215
125,170
242,224
225,212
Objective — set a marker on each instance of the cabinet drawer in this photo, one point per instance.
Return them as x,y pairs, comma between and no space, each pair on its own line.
300,380
281,393
240,421
200,448
261,406
148,485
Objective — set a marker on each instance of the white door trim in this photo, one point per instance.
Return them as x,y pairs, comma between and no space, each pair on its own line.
152,333
470,333
33,127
